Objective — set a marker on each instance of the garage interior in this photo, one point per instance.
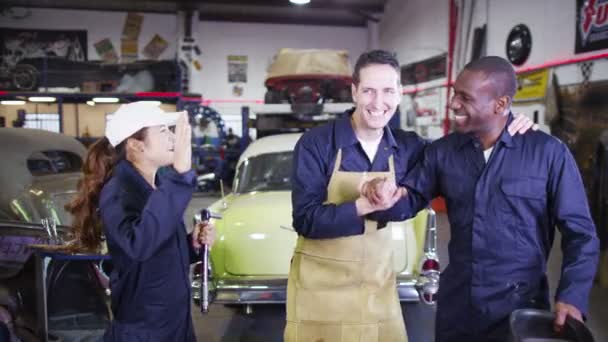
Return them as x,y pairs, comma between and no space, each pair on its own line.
67,65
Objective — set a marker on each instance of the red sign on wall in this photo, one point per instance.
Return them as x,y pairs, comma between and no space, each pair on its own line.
591,25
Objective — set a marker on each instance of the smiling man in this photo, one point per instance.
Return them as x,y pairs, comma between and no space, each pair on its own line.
505,195
336,292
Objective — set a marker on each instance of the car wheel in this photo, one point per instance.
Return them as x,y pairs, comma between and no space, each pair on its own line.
272,96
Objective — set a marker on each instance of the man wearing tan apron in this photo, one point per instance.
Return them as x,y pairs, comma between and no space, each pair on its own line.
344,288
342,285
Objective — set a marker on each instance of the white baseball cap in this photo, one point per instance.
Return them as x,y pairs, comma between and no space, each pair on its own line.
132,117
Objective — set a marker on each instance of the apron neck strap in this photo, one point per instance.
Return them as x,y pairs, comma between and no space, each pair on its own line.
391,163
338,161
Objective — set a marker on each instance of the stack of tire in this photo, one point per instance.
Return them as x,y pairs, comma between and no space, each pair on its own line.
599,203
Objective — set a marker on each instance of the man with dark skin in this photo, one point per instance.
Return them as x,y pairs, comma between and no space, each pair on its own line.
505,195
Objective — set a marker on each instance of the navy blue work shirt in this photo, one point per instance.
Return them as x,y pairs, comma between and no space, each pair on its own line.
502,216
314,159
151,254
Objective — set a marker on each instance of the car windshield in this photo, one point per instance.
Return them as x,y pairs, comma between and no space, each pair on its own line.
266,172
33,205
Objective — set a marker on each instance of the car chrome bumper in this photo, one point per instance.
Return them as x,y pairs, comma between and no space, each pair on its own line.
274,291
246,291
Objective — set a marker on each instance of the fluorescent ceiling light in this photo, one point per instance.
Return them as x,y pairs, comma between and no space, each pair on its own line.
156,103
12,102
105,99
91,103
299,2
41,99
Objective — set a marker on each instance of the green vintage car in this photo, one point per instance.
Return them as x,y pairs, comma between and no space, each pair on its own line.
249,262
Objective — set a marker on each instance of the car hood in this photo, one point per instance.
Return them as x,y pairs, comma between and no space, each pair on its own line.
257,235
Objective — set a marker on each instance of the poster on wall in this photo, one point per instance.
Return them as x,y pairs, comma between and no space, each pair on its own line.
19,44
106,51
532,85
237,69
591,25
155,47
132,26
128,50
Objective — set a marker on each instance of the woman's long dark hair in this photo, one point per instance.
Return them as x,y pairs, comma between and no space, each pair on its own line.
87,229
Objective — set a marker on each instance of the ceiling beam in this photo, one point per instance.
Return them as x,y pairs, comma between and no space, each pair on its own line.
105,5
171,6
327,12
321,4
284,19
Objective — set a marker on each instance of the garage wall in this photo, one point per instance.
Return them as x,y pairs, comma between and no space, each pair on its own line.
552,24
418,29
259,42
217,40
100,25
414,29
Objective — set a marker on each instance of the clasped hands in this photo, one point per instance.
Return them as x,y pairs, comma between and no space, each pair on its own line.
377,194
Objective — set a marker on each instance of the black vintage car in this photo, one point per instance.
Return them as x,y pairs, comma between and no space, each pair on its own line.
44,296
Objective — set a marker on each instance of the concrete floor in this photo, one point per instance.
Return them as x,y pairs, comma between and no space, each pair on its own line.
228,324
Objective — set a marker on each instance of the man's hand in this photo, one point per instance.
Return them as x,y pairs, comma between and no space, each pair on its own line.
203,234
378,194
378,190
562,310
521,124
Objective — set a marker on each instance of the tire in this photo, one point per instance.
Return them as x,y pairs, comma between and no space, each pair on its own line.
345,96
272,96
24,77
599,206
599,193
5,333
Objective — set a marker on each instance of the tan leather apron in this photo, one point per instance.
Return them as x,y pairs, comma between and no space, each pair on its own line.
343,289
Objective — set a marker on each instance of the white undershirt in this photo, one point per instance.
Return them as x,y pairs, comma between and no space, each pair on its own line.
487,153
370,147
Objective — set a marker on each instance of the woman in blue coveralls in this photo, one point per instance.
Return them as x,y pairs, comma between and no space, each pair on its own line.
141,214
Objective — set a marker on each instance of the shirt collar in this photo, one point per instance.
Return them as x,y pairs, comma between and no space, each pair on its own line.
464,139
126,170
344,135
505,137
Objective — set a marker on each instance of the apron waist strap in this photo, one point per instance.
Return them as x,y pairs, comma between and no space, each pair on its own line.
343,248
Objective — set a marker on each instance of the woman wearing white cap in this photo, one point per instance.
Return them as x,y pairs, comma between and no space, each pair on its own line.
141,214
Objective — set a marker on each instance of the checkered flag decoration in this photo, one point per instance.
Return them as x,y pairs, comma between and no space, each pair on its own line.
586,71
